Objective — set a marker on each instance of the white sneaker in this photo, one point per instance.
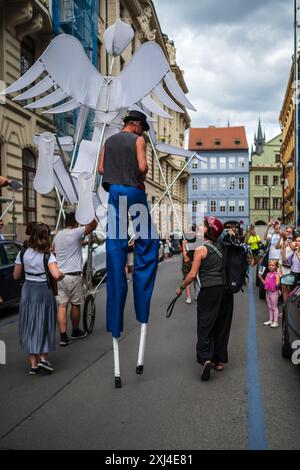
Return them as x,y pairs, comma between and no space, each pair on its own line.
268,323
274,325
188,300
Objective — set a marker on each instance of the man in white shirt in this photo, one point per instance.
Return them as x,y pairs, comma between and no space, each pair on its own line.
68,250
273,239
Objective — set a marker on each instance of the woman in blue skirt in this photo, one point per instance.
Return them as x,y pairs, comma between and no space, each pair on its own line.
37,314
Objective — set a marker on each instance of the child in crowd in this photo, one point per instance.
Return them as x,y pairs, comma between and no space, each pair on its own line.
272,284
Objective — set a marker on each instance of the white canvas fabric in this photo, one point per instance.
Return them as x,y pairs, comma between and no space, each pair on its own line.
48,100
64,182
155,108
63,108
85,212
36,90
117,37
43,181
163,96
176,91
66,142
87,157
29,77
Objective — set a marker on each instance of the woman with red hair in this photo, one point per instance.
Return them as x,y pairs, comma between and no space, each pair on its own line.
213,302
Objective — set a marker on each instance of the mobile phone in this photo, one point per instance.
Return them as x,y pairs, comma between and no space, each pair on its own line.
261,270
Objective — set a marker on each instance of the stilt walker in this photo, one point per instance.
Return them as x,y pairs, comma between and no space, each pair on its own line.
73,82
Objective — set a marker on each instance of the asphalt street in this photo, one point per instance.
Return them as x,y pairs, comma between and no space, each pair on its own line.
254,403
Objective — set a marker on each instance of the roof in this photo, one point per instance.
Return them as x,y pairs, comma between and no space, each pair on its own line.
218,138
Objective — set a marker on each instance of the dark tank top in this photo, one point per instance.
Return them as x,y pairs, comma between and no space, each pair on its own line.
120,161
211,270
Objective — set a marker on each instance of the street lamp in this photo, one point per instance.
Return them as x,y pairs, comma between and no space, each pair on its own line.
269,188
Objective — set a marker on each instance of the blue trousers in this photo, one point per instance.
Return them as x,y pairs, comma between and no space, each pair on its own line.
145,256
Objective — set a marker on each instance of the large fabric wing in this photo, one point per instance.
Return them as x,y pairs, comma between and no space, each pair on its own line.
70,69
147,68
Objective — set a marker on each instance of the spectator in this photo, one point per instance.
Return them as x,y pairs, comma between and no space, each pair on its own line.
2,237
37,314
286,245
272,285
253,241
68,249
212,302
273,239
293,258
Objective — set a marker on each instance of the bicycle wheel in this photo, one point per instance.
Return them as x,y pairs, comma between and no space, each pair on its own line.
89,314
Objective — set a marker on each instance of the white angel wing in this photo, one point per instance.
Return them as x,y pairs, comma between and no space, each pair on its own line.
142,77
70,74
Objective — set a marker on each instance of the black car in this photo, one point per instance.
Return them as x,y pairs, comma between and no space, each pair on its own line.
10,290
291,315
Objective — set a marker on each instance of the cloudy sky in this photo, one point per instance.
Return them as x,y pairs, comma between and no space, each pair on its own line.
236,56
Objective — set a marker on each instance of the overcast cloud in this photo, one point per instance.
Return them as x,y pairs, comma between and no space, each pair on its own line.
236,56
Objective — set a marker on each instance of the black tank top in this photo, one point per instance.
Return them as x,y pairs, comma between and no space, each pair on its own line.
211,270
120,160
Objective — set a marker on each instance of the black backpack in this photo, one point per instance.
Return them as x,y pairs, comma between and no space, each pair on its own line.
235,261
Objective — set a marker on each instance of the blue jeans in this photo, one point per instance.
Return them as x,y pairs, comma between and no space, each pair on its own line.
145,259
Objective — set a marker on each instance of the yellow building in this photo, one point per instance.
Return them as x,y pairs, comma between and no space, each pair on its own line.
287,123
26,30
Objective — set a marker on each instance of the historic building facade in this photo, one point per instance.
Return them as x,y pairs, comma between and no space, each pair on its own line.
26,28
25,31
287,123
220,187
266,183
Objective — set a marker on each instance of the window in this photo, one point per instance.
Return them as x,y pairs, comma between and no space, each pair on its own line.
241,162
257,202
277,158
217,142
203,184
241,183
29,195
11,250
213,206
277,203
199,143
232,163
241,206
231,206
265,180
203,164
27,54
194,184
213,184
232,183
213,163
265,203
222,184
222,163
194,206
195,164
237,142
275,180
204,207
222,206
257,179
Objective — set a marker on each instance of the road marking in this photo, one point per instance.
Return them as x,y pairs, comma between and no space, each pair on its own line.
257,439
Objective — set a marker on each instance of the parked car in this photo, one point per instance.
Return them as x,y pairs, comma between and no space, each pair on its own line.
291,315
10,290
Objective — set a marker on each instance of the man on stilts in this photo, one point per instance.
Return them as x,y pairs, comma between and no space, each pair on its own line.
123,164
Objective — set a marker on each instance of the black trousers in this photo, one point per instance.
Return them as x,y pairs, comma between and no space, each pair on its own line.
214,319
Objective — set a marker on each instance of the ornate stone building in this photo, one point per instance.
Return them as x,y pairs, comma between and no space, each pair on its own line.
25,31
26,28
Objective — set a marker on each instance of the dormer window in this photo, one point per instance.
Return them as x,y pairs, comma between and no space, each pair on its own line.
199,143
237,142
217,142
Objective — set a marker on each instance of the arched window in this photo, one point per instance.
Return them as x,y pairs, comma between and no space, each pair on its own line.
29,195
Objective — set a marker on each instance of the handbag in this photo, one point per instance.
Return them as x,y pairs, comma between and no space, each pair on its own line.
52,283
